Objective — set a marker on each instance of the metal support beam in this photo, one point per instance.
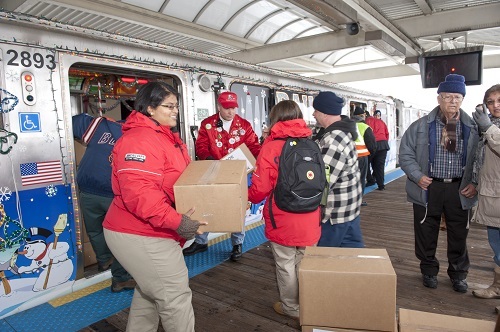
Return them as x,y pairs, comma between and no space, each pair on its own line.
298,47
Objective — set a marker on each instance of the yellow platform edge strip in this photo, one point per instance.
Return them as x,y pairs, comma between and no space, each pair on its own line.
79,294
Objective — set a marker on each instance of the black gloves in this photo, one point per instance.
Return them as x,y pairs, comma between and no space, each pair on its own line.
188,227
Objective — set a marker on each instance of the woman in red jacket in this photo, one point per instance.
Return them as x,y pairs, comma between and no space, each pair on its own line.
142,228
293,231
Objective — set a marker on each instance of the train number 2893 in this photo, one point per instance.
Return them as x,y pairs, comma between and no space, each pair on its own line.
25,59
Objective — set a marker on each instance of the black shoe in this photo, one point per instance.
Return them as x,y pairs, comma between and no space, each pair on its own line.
381,188
459,285
370,183
364,204
195,248
124,285
430,281
236,253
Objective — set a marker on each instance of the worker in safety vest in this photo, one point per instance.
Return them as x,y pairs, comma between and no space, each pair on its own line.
365,144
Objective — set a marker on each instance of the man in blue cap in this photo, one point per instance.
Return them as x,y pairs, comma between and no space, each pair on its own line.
340,225
437,154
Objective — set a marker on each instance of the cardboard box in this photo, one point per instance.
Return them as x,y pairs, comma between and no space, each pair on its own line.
347,288
413,321
307,328
218,191
242,153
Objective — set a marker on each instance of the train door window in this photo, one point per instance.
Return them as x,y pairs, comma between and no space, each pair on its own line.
354,104
253,104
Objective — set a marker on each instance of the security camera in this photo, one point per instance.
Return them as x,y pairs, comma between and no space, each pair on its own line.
352,28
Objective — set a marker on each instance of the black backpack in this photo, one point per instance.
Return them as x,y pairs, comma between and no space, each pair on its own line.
301,177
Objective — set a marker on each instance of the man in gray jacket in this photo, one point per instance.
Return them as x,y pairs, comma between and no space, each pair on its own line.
437,154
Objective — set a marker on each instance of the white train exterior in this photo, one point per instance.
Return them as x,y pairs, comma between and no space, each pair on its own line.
50,72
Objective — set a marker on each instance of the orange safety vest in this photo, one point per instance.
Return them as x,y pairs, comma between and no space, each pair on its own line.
360,141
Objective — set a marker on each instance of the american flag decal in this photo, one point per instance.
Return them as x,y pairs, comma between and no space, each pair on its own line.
41,172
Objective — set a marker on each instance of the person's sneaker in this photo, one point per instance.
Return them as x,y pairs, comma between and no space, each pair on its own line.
195,248
278,308
364,204
236,253
381,188
105,266
370,183
120,286
459,285
430,281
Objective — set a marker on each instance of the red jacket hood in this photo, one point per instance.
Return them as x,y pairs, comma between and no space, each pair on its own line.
290,128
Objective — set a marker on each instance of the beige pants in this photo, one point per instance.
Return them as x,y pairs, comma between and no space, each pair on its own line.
162,291
287,260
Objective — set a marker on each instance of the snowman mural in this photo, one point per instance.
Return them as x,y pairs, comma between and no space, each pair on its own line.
51,260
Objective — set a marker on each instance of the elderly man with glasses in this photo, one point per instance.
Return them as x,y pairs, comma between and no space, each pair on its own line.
437,155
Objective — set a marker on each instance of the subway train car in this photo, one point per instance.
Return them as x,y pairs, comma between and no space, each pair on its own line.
50,72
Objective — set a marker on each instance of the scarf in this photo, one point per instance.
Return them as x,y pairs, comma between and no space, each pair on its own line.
481,147
449,133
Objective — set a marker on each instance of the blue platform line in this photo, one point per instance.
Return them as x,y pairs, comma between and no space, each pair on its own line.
99,305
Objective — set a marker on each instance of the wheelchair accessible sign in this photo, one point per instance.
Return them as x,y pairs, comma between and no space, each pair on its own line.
29,122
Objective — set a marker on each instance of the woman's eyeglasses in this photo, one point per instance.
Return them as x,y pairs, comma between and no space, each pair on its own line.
171,106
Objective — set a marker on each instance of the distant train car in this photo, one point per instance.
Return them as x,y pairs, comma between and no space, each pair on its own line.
50,72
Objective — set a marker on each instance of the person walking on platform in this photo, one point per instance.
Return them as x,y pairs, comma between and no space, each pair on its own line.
94,183
291,232
366,145
437,154
142,228
487,176
219,135
377,159
340,224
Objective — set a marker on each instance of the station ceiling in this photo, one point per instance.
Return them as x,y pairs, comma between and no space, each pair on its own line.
335,40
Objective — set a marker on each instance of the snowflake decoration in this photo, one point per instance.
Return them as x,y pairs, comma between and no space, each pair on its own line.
256,121
245,88
263,93
5,194
51,191
22,148
12,76
49,137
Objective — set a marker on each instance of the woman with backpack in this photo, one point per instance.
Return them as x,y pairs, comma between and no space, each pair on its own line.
288,232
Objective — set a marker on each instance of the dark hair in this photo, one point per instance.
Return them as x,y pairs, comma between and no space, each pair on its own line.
283,111
152,94
494,88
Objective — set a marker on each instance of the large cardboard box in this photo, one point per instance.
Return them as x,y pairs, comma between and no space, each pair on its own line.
413,321
218,191
307,328
242,153
348,288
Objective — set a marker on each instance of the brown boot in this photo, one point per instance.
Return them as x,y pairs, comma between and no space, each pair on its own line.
492,292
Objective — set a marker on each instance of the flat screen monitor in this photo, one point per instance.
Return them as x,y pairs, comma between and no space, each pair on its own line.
434,68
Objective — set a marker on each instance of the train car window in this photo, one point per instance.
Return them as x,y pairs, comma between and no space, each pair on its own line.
254,104
354,104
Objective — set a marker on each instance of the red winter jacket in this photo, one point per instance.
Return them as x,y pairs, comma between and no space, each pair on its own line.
215,142
147,160
379,128
293,229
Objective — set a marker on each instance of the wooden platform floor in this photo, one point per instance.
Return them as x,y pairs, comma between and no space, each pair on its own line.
239,296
